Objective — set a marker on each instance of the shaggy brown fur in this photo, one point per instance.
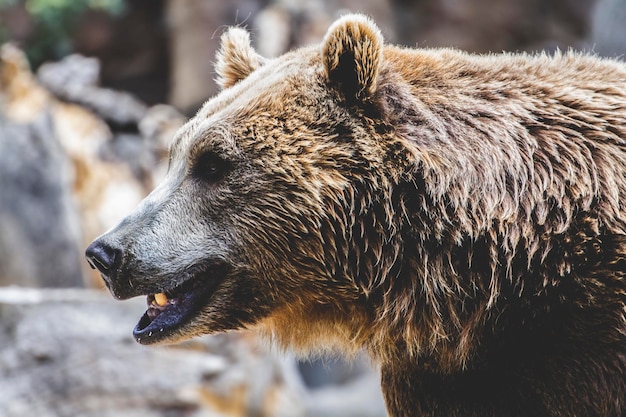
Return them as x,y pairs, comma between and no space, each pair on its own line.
460,217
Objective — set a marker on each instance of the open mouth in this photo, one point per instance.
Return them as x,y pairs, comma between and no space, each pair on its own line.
171,310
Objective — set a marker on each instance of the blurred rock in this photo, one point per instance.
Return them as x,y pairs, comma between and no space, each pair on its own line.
67,353
40,239
111,170
102,191
609,29
22,100
157,129
75,79
358,397
72,72
143,134
342,388
160,124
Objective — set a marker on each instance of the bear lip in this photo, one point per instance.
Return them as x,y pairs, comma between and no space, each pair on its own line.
184,302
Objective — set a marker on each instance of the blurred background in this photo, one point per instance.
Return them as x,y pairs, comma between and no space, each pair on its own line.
91,93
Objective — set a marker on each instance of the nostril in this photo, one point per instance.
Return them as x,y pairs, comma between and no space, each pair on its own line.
101,256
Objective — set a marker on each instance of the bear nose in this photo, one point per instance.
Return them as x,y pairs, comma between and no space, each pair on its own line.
102,257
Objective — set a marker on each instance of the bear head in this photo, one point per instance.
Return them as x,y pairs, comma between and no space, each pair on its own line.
275,211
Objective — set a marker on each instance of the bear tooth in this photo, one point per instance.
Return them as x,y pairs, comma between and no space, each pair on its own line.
160,299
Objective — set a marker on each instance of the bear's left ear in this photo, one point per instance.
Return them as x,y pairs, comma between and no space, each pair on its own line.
236,58
352,54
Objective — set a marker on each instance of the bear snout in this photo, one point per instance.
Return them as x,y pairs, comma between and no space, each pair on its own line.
101,256
106,259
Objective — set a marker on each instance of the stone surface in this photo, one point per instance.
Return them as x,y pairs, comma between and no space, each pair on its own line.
40,239
608,36
75,79
102,192
71,353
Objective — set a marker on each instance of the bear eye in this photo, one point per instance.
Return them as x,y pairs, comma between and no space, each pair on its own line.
210,167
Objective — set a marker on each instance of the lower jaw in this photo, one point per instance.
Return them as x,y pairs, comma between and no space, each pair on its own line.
191,298
164,326
174,318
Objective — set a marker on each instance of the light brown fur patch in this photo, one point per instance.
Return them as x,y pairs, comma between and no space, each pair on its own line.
235,59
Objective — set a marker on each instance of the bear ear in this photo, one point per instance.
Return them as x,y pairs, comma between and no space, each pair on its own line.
352,54
236,58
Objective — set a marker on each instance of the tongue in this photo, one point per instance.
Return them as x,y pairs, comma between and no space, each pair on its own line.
153,312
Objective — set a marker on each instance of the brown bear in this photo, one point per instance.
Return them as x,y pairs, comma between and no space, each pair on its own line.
459,217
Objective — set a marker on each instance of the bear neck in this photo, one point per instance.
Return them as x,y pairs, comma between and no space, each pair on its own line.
466,351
